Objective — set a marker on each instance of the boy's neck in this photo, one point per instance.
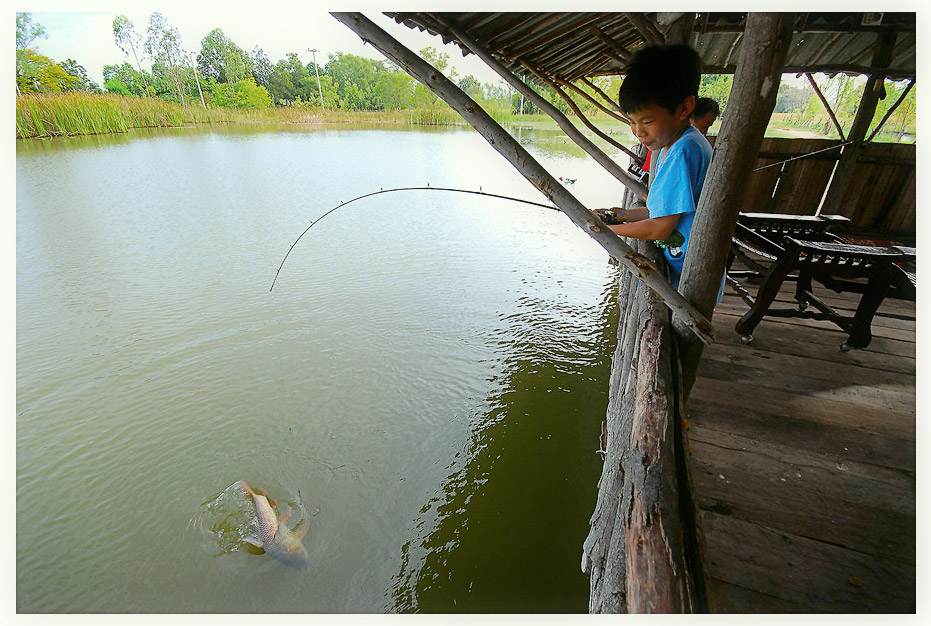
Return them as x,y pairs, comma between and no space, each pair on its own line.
688,125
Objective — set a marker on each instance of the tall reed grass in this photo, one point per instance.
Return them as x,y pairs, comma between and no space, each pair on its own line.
53,115
68,114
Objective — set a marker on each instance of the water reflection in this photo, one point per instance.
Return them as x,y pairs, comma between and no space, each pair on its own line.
514,509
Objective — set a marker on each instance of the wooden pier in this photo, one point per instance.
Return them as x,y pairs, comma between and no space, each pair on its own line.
803,463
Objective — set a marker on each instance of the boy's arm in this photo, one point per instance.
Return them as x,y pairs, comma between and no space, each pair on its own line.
631,215
655,228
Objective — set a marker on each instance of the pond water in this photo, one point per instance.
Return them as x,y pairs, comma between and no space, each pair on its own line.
425,383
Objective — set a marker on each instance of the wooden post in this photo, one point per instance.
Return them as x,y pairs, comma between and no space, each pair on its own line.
834,197
544,105
636,552
518,156
766,41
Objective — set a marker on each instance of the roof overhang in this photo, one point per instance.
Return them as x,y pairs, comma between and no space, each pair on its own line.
570,46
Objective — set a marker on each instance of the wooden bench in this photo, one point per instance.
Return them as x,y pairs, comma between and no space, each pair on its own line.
868,270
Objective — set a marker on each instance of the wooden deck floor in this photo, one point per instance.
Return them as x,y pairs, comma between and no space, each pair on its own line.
803,464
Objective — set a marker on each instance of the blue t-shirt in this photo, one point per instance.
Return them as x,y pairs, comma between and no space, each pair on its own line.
678,175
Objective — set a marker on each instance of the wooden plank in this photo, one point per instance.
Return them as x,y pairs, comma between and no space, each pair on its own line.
846,373
766,494
786,339
819,576
730,598
731,307
900,401
789,404
787,467
827,337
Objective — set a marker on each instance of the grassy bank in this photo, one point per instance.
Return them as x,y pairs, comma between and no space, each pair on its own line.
57,115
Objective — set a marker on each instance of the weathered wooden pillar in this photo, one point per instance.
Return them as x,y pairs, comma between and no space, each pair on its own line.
766,41
882,57
637,551
535,173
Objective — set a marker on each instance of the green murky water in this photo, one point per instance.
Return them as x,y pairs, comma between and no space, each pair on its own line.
427,378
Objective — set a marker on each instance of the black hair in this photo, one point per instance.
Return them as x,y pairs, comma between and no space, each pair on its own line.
660,75
704,106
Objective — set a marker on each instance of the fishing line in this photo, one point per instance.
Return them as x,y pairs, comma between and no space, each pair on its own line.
802,156
381,191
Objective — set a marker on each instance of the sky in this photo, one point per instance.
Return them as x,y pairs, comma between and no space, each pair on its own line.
277,26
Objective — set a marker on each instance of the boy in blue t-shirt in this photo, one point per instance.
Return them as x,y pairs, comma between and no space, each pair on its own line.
658,96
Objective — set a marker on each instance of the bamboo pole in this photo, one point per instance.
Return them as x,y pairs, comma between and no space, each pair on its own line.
518,156
766,42
544,105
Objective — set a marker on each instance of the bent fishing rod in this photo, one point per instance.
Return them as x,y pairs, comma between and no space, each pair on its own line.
381,191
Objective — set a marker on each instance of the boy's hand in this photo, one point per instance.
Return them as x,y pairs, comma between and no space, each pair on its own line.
613,215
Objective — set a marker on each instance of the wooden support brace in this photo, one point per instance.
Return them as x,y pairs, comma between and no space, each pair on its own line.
544,105
518,156
600,92
575,109
589,97
827,106
891,110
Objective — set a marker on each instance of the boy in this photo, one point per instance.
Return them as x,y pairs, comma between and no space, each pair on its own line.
705,113
658,96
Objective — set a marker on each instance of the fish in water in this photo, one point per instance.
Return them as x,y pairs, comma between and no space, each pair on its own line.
278,541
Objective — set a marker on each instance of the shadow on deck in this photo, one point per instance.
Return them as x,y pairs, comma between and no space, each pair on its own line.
803,463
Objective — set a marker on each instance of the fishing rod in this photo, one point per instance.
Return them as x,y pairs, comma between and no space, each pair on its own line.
381,191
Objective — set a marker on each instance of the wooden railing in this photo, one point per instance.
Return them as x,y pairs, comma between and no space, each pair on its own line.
641,551
880,197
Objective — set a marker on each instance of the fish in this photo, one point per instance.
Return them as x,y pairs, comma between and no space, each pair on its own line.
275,538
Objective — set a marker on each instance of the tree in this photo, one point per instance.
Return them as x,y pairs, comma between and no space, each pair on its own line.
81,81
355,77
261,67
26,33
717,87
242,94
472,87
163,43
124,79
39,74
221,59
128,40
393,90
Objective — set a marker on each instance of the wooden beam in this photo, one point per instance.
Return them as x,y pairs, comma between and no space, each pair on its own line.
890,112
623,53
766,43
551,38
544,105
843,173
827,105
646,28
575,109
591,99
600,92
518,156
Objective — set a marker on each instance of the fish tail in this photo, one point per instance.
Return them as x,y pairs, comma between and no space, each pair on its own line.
245,488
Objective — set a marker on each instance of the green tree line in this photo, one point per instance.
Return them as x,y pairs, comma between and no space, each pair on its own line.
222,74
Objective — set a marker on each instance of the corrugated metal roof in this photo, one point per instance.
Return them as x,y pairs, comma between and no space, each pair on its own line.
570,46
